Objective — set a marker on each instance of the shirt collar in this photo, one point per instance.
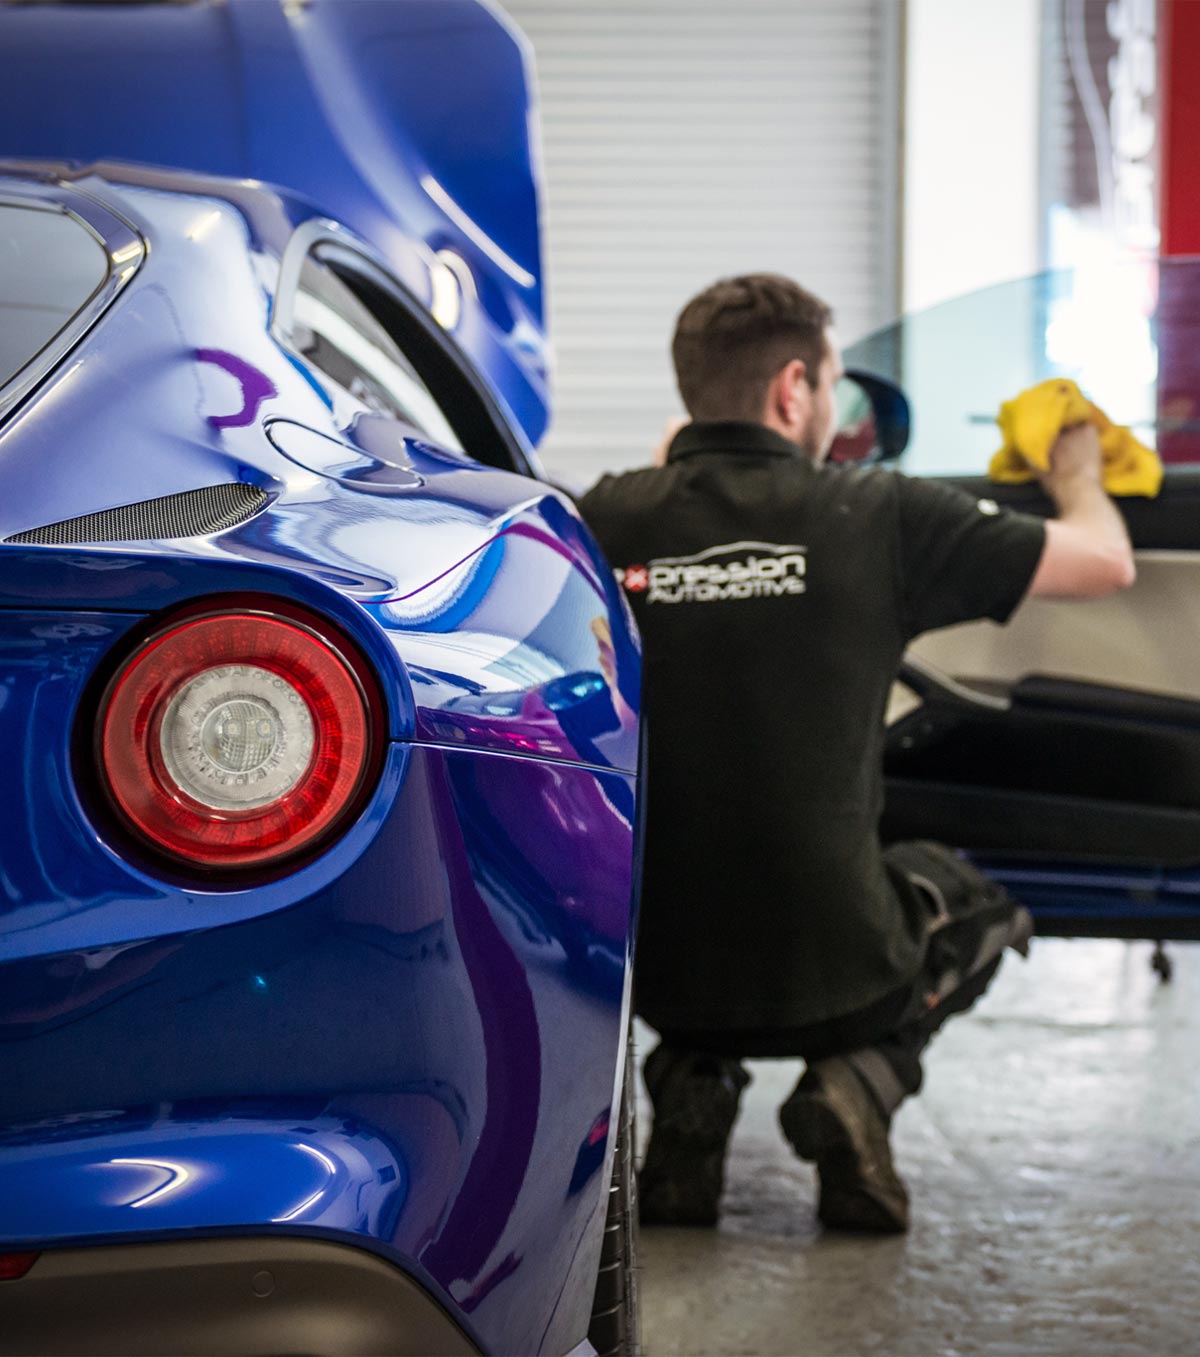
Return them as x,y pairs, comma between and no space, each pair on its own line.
731,436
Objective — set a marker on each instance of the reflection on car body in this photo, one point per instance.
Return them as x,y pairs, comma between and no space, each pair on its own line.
321,717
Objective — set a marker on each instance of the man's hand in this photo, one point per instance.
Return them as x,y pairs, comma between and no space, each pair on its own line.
1075,456
1087,552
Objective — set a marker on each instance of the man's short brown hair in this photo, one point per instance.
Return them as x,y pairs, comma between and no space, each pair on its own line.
733,337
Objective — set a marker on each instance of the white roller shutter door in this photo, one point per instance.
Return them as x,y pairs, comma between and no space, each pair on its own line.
685,141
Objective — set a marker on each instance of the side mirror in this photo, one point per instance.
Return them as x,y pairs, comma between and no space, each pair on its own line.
874,420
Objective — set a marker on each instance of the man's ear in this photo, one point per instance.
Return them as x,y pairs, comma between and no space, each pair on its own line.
788,396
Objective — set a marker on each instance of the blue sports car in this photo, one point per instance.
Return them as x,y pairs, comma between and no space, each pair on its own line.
318,764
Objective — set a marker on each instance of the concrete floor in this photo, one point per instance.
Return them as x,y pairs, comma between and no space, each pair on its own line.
1054,1163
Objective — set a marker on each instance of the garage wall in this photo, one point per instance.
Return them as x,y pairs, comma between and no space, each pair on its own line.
687,140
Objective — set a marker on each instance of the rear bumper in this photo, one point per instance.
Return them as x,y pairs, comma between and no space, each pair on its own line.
247,1296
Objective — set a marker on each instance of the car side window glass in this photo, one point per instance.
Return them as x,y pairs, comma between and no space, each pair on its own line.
50,266
960,360
339,336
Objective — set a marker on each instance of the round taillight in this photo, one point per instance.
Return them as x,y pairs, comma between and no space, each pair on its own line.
236,740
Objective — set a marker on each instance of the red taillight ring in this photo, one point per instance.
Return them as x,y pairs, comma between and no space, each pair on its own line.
235,740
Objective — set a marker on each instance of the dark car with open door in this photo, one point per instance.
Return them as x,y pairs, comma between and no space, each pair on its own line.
1063,750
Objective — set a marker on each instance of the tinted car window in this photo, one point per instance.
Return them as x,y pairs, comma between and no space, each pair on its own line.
49,267
1129,335
337,334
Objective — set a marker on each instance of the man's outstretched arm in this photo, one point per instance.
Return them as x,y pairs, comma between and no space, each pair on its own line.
1088,553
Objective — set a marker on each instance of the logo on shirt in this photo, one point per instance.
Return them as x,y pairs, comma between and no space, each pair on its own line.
735,570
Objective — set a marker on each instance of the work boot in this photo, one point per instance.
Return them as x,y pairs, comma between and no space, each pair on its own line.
695,1100
833,1121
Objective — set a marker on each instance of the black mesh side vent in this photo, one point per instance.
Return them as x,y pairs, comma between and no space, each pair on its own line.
194,513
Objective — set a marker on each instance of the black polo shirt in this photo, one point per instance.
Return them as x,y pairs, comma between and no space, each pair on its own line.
775,599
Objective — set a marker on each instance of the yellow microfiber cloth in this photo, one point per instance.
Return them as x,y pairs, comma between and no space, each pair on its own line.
1032,422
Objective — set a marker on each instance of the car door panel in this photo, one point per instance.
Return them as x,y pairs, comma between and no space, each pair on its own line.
1146,637
1069,738
1168,522
1061,749
1077,770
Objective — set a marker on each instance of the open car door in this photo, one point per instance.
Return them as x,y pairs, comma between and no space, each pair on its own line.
1063,750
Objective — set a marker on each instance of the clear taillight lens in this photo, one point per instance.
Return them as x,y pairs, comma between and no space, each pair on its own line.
238,739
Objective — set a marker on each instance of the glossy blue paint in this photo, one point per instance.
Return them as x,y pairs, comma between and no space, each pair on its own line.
411,123
456,993
66,884
436,1004
128,1174
414,557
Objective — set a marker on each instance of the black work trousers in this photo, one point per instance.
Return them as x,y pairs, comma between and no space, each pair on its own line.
971,921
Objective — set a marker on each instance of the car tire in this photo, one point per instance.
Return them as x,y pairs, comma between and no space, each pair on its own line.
615,1329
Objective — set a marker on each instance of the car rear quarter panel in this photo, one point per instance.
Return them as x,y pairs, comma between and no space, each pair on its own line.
419,1032
410,1043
